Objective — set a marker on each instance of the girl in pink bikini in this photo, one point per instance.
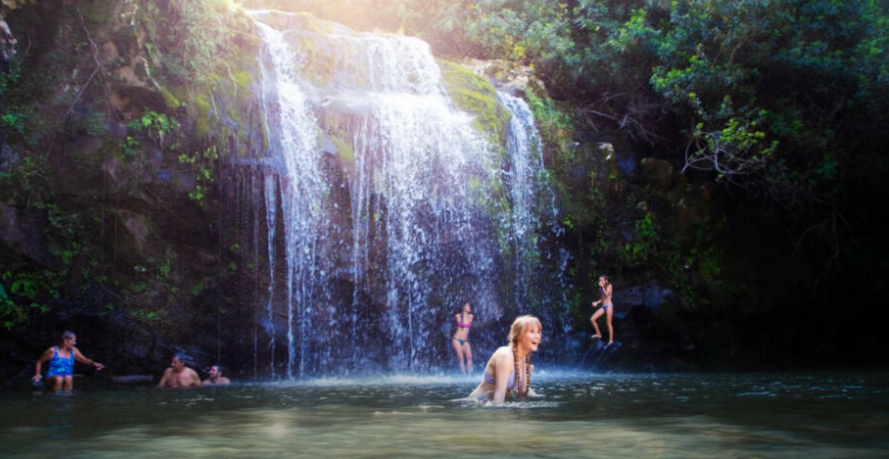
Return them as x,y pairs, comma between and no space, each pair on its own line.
605,290
460,341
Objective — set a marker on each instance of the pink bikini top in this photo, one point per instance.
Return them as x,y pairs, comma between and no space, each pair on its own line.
462,324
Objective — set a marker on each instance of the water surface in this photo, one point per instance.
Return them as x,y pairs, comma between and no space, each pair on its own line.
817,415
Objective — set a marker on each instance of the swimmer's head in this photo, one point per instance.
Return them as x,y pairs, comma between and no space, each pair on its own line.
522,325
68,338
178,361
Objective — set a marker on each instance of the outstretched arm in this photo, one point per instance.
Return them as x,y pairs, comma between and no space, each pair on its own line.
45,357
82,359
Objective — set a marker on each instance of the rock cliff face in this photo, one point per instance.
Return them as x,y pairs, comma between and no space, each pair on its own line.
119,117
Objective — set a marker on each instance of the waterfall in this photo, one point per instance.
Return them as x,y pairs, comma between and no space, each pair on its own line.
533,201
271,220
395,209
538,261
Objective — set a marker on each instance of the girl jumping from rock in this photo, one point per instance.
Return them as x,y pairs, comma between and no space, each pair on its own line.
605,291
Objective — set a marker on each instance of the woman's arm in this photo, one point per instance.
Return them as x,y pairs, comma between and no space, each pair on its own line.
47,355
82,359
502,368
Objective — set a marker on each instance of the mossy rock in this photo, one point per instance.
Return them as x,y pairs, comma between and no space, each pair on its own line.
657,172
170,99
201,115
299,21
141,99
477,96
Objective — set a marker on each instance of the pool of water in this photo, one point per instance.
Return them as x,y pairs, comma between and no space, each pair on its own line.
817,415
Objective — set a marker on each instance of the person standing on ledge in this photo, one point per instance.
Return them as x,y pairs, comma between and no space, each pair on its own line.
460,341
179,375
509,368
216,378
60,374
605,291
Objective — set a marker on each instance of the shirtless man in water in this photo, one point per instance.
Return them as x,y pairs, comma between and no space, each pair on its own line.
216,378
179,375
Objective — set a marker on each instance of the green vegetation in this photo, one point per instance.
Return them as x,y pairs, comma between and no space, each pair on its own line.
104,133
201,166
758,92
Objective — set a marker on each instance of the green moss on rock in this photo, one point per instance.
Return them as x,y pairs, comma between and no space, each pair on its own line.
171,100
477,96
202,116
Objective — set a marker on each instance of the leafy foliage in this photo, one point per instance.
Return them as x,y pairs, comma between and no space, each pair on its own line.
643,247
28,292
201,165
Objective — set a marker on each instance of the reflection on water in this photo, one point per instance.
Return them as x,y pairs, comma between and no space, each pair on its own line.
581,415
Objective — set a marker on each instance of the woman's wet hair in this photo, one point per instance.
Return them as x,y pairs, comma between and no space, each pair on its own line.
520,325
604,276
68,334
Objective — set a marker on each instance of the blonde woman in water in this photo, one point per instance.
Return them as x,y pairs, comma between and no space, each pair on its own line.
460,341
509,369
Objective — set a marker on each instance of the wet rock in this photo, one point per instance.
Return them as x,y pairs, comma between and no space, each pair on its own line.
657,172
651,296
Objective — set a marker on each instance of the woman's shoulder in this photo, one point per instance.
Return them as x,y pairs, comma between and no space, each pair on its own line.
503,351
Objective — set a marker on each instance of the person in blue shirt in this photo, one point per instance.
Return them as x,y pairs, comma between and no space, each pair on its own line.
60,374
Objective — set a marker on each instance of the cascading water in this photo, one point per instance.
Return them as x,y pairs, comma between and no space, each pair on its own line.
395,209
532,200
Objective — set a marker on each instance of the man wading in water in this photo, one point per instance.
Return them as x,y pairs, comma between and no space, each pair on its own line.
179,375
